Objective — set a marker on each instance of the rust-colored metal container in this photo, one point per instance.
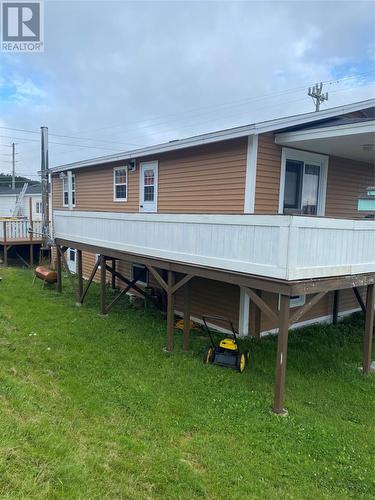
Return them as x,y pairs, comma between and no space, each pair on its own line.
46,274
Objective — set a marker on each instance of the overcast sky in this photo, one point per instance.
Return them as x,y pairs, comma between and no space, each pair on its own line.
120,74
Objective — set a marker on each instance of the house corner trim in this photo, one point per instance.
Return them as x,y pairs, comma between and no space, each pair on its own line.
251,170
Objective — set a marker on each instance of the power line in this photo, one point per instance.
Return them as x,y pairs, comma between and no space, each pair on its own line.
59,143
71,137
148,121
248,99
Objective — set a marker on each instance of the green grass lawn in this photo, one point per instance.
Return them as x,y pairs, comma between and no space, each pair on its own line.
91,407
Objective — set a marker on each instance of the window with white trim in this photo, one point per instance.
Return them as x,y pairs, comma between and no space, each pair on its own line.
71,259
72,254
38,207
295,301
65,191
142,272
66,201
120,184
73,190
303,183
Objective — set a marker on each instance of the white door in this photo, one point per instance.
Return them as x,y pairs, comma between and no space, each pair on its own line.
71,259
149,186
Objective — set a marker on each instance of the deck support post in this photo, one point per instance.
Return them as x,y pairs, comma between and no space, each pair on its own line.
59,270
282,348
170,286
31,254
187,312
335,307
113,275
170,311
5,259
80,276
103,272
90,280
369,328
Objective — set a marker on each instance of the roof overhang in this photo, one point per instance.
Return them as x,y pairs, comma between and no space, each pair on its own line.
354,141
223,135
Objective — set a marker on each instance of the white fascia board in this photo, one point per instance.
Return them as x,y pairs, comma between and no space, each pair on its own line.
326,132
257,128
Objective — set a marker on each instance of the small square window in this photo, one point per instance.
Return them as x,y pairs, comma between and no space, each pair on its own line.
140,271
295,301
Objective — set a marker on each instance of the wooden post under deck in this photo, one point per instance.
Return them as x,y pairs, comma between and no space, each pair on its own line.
58,270
282,348
5,243
335,309
187,311
31,254
102,284
369,328
170,312
113,276
79,273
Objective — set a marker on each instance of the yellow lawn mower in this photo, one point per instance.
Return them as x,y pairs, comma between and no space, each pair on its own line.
226,352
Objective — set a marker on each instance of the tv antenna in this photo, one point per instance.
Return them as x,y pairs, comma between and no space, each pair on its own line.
316,94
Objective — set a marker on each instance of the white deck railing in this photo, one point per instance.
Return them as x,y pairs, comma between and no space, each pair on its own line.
18,230
279,246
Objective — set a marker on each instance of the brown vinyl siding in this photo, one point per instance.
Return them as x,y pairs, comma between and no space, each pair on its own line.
267,175
205,179
347,180
57,192
209,297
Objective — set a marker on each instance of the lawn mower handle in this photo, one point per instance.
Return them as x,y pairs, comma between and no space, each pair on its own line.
221,318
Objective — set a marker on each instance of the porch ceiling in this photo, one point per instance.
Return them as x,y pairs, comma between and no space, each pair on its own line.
354,141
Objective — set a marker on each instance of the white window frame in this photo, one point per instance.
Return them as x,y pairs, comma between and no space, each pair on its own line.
68,188
38,207
122,184
73,178
305,157
73,263
139,282
65,189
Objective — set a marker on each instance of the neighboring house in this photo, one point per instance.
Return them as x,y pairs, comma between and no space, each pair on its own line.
262,220
31,203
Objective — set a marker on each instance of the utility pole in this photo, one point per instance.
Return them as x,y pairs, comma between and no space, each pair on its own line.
45,187
316,94
13,166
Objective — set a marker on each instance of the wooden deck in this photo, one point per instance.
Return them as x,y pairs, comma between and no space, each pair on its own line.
19,232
